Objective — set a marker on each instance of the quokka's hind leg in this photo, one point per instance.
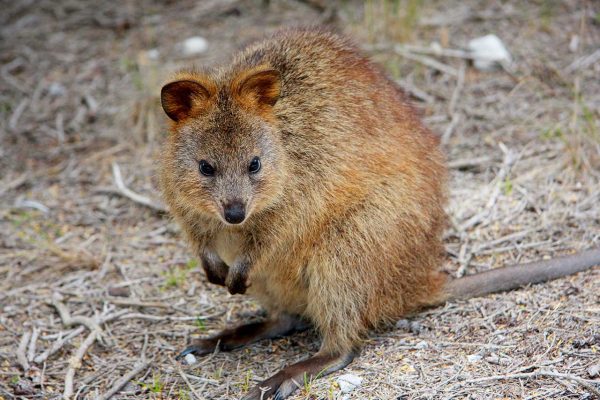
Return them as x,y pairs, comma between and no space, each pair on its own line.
240,336
294,376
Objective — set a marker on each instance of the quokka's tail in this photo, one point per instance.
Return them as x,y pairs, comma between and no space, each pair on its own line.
516,276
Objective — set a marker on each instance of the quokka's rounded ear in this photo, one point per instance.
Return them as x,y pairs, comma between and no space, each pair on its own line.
258,86
181,98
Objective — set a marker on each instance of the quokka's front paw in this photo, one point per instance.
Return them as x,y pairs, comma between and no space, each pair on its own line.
237,280
216,270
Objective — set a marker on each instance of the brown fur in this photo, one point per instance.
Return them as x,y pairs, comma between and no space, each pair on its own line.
347,218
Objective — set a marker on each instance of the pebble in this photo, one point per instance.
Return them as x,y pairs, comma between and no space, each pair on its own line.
56,89
194,45
488,52
473,358
190,359
411,326
153,54
594,370
349,382
422,345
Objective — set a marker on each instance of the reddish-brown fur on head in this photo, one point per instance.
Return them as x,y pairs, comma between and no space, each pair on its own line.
225,122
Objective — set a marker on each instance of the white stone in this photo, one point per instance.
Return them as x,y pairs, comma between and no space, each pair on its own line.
422,345
473,358
349,382
153,54
594,370
190,359
194,45
436,47
488,52
574,43
56,89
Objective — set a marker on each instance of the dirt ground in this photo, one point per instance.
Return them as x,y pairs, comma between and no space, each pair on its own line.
94,285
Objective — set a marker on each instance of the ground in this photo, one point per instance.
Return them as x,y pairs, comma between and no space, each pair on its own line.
79,84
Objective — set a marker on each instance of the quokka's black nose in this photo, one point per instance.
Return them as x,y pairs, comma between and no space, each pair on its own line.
234,212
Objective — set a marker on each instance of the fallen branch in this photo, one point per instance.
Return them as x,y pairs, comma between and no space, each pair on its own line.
141,366
450,129
76,361
21,357
32,344
188,383
62,341
509,160
57,346
68,321
427,61
130,194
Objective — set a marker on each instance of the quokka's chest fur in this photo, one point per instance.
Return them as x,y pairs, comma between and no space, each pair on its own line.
228,245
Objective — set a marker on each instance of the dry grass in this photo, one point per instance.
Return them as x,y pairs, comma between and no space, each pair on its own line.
78,92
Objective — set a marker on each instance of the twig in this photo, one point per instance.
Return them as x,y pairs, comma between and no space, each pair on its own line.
21,357
76,361
584,62
125,191
428,61
164,317
14,118
67,320
509,159
141,366
432,51
415,91
61,342
32,344
187,382
588,384
460,83
57,346
15,183
448,132
124,302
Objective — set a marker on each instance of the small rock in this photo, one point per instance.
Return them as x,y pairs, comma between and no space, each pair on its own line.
153,54
190,359
488,52
194,45
422,345
493,359
574,43
411,326
436,47
349,382
56,89
473,358
594,371
403,324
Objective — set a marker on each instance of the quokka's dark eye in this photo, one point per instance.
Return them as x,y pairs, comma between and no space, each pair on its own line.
254,166
206,169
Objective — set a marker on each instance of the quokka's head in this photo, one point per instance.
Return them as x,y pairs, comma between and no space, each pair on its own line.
224,156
